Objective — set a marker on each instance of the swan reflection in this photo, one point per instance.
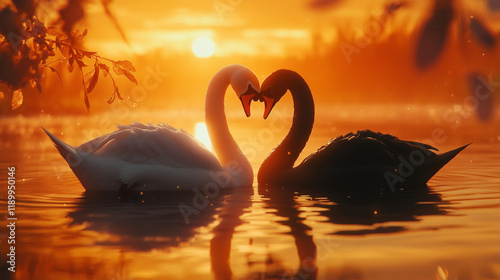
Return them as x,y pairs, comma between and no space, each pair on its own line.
371,214
145,222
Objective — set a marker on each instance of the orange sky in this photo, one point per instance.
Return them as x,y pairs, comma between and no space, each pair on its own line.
242,27
239,27
268,35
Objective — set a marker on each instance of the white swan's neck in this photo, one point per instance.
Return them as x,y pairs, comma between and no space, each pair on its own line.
228,152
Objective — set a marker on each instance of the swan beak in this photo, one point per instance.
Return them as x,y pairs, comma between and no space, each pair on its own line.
246,99
269,102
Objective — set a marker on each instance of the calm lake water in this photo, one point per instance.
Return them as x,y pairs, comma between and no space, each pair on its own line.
451,232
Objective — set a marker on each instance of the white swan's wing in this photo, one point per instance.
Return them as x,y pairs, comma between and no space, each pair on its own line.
153,144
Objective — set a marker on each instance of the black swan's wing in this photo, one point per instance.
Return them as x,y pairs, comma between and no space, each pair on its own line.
372,154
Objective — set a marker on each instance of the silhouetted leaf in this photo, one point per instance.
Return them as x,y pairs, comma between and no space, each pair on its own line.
80,63
482,97
394,6
104,68
130,77
78,54
70,65
65,50
10,23
493,5
20,62
39,87
434,33
38,28
481,33
35,83
86,100
40,41
114,20
88,54
126,64
54,70
117,69
71,14
117,91
7,75
93,79
17,99
23,70
25,6
320,4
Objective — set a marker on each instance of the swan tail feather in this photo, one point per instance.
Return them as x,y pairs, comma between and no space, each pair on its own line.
439,161
66,151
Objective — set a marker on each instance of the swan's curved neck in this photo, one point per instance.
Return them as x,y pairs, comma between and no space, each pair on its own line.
283,157
228,152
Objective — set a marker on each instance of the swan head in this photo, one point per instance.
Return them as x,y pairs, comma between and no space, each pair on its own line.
273,88
246,86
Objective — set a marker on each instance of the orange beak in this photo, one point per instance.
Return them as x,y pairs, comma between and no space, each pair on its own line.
269,103
246,99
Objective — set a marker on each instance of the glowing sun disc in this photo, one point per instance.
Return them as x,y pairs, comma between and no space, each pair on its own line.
203,47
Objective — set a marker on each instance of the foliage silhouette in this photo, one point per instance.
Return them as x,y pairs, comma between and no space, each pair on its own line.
26,43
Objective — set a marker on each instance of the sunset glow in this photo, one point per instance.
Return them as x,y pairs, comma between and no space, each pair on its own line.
371,149
203,47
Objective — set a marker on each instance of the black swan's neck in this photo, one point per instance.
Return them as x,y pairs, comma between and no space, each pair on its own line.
283,157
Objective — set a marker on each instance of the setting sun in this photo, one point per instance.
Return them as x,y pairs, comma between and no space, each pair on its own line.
203,47
232,139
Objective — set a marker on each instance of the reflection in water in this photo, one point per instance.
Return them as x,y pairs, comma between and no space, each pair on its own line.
371,210
230,218
145,222
154,221
363,209
347,210
287,208
269,235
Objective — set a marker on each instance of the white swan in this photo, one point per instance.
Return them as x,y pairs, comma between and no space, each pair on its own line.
162,158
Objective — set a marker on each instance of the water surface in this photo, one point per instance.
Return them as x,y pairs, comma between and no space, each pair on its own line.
452,231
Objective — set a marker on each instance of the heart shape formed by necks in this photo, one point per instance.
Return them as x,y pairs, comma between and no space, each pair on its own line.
363,160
